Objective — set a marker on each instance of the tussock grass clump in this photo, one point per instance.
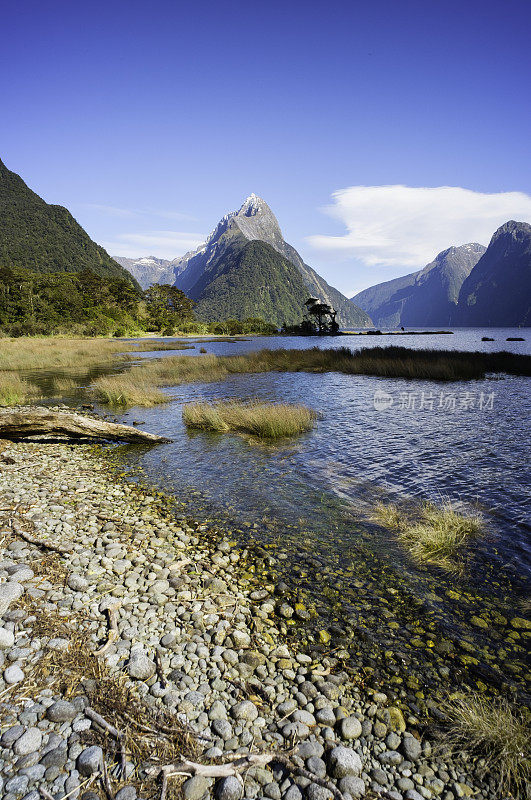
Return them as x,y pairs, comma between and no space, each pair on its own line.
15,390
265,420
433,534
498,732
122,390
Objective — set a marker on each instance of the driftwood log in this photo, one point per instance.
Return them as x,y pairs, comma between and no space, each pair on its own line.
19,424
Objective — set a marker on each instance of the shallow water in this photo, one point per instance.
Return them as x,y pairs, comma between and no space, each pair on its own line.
310,500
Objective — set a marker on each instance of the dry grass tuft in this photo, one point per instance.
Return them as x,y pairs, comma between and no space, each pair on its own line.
498,732
15,390
265,420
433,534
122,390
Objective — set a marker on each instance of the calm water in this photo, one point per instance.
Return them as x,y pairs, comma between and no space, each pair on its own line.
311,498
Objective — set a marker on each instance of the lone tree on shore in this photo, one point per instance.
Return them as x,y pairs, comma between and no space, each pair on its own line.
324,314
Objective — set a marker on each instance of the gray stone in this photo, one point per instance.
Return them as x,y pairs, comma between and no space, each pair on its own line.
393,741
61,711
77,583
316,792
126,793
17,785
411,794
272,790
229,788
30,741
325,716
90,760
390,758
350,728
308,749
13,674
353,786
222,728
244,710
411,748
317,766
55,758
7,639
10,592
34,773
344,761
293,793
11,735
140,666
194,788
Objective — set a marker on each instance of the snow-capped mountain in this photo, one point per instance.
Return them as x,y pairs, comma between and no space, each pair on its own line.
148,270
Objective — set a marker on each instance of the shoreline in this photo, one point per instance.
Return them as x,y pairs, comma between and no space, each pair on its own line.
222,656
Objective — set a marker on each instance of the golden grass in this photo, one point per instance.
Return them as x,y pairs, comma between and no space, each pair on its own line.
14,390
265,420
122,390
499,733
28,353
433,534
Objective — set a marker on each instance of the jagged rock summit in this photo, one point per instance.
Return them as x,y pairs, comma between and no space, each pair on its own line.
218,270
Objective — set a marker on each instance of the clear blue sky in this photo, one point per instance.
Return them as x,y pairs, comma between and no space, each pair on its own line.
150,120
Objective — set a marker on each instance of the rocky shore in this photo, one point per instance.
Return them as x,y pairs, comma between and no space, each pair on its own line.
193,643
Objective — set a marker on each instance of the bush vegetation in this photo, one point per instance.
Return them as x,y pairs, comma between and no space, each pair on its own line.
432,534
265,420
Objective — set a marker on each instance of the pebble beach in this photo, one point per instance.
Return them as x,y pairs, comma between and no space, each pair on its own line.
194,643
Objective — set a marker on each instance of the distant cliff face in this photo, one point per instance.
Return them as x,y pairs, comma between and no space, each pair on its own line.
46,238
427,297
253,222
498,290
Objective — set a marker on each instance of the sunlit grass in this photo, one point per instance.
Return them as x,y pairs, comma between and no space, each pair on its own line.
499,733
265,420
432,534
29,353
14,390
121,390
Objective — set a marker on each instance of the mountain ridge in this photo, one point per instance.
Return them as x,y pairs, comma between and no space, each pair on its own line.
41,237
425,297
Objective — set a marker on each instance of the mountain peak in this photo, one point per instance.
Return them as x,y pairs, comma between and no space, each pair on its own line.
512,227
252,205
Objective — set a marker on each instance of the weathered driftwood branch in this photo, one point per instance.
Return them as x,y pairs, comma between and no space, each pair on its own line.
237,765
112,618
191,768
19,424
28,537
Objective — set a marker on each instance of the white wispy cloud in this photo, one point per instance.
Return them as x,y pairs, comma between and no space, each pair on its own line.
405,226
163,244
114,211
